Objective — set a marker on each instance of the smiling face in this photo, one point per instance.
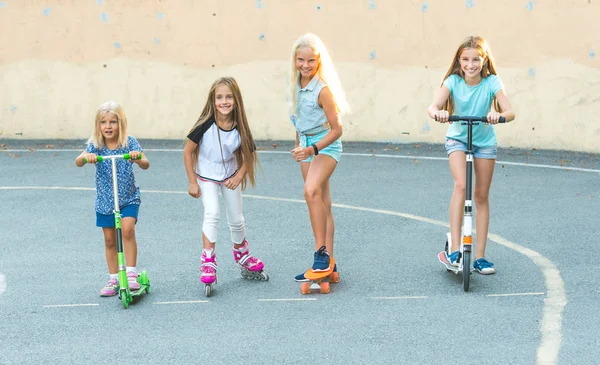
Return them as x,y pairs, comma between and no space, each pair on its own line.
224,100
109,126
307,62
471,63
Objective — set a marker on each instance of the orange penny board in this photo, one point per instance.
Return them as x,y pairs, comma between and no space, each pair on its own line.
311,275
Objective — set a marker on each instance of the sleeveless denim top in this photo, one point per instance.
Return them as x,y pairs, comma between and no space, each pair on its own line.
309,118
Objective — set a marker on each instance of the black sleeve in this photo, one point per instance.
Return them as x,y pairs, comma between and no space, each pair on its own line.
196,135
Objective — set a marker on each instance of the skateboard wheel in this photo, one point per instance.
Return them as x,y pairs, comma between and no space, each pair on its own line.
305,288
335,277
324,287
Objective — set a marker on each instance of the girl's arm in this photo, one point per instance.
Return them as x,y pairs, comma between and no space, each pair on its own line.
236,180
188,162
435,110
326,102
143,162
507,111
89,157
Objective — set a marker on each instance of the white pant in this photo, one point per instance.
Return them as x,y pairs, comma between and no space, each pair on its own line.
233,208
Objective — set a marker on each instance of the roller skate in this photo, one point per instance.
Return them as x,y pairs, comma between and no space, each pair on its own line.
251,267
208,270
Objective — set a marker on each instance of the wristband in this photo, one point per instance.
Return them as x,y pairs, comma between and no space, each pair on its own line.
314,146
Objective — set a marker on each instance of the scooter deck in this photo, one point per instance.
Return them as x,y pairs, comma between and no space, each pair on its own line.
143,289
445,262
144,285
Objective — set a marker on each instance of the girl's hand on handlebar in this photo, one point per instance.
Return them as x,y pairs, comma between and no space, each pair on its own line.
493,117
194,190
442,116
90,158
134,155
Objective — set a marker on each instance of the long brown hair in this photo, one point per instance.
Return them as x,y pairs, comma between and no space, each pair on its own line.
247,151
483,48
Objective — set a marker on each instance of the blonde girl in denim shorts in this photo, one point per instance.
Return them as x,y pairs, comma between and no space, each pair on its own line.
110,137
317,102
470,88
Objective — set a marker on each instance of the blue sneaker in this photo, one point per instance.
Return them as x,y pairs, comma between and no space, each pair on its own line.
301,279
321,260
484,267
453,258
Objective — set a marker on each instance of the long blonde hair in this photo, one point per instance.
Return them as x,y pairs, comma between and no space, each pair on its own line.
325,70
483,48
109,107
247,151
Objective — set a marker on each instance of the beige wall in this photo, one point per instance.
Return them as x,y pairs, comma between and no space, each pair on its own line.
60,59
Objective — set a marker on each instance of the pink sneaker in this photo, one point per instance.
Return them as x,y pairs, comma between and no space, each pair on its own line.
208,269
132,281
245,260
111,288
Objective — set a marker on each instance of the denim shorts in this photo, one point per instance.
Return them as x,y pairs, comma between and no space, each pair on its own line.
453,145
334,150
108,220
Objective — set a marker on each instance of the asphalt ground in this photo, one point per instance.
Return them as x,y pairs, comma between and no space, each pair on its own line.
395,303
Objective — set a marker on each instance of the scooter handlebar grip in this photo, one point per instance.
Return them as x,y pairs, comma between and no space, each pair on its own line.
127,156
99,159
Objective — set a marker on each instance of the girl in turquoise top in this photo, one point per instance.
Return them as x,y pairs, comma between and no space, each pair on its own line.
470,88
317,100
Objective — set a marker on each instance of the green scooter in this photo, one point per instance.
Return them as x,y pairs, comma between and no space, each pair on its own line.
125,294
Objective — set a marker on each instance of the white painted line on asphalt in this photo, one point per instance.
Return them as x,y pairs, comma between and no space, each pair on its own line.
406,157
515,294
45,188
286,299
71,305
2,283
554,303
182,302
399,298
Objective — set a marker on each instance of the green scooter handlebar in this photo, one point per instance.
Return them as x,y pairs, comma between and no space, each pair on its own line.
125,156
